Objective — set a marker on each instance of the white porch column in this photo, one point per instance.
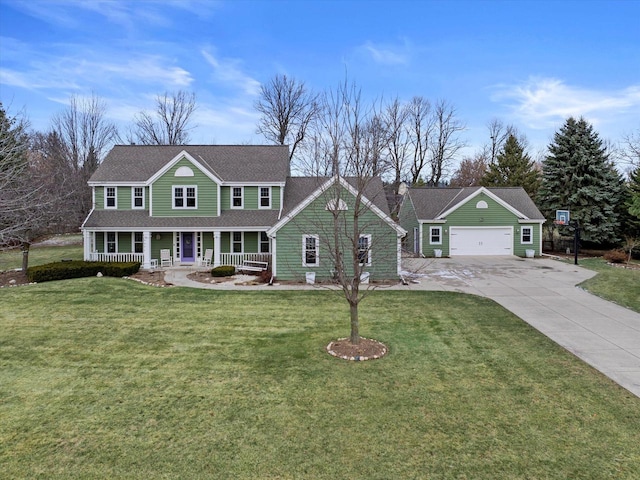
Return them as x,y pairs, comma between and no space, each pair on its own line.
146,249
86,244
273,256
216,249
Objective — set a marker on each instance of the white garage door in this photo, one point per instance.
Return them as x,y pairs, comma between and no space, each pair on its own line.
481,241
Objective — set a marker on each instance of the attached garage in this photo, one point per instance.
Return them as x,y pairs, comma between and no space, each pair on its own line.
481,241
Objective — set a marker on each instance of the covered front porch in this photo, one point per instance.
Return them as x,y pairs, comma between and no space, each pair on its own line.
184,248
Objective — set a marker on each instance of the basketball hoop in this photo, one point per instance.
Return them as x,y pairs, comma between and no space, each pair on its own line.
562,217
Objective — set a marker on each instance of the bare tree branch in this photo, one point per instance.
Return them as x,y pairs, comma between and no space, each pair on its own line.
169,124
287,109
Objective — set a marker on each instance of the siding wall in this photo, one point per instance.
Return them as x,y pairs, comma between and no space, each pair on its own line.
123,197
250,198
315,220
408,220
163,193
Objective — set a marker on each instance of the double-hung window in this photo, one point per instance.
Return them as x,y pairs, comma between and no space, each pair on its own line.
435,235
265,197
138,244
264,242
112,246
236,242
110,198
138,197
185,197
364,250
237,197
310,250
526,235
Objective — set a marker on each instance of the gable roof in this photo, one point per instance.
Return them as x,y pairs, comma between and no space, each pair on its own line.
301,191
230,163
436,203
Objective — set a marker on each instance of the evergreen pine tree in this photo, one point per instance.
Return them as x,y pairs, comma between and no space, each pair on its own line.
513,168
631,214
578,176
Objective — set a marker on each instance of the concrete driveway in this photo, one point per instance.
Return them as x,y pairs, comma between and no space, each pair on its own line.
543,293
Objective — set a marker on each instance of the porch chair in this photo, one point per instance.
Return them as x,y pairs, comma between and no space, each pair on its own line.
166,260
206,260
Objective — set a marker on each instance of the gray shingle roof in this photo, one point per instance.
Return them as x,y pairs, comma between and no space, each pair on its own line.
299,188
231,163
140,219
430,203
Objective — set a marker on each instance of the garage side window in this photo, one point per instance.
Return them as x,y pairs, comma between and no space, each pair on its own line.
526,235
435,235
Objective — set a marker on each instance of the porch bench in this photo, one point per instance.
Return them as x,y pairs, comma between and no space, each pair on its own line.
252,266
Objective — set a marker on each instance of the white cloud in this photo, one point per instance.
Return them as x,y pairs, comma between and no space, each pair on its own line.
541,103
227,72
388,54
68,13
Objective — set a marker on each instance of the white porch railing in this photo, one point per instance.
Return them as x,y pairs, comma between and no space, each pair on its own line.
116,257
238,258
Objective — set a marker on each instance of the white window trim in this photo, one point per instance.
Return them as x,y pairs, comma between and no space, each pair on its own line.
260,242
231,197
431,229
184,190
530,235
133,199
133,242
241,242
106,242
115,198
304,251
368,237
260,206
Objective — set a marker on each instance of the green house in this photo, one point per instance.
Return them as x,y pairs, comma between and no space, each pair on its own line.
471,221
234,204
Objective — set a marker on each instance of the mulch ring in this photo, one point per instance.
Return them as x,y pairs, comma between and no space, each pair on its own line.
12,278
367,349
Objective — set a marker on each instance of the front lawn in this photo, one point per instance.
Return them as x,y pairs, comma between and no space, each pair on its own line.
106,378
614,283
63,247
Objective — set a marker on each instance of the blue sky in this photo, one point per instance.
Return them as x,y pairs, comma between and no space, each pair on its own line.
531,64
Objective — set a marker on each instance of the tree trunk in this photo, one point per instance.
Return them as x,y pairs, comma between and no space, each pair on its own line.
355,333
25,256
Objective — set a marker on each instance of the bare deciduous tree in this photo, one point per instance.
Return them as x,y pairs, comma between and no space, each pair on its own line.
470,172
29,197
85,132
630,149
168,124
85,135
287,110
356,141
446,141
395,117
420,126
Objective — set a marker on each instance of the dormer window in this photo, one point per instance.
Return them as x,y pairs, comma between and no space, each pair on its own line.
110,197
237,197
185,197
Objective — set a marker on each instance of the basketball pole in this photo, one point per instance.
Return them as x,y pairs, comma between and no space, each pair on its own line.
576,240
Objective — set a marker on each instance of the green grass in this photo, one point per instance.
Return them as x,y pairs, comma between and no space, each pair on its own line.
619,285
106,378
39,255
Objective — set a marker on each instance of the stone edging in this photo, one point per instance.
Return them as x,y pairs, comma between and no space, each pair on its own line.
356,358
